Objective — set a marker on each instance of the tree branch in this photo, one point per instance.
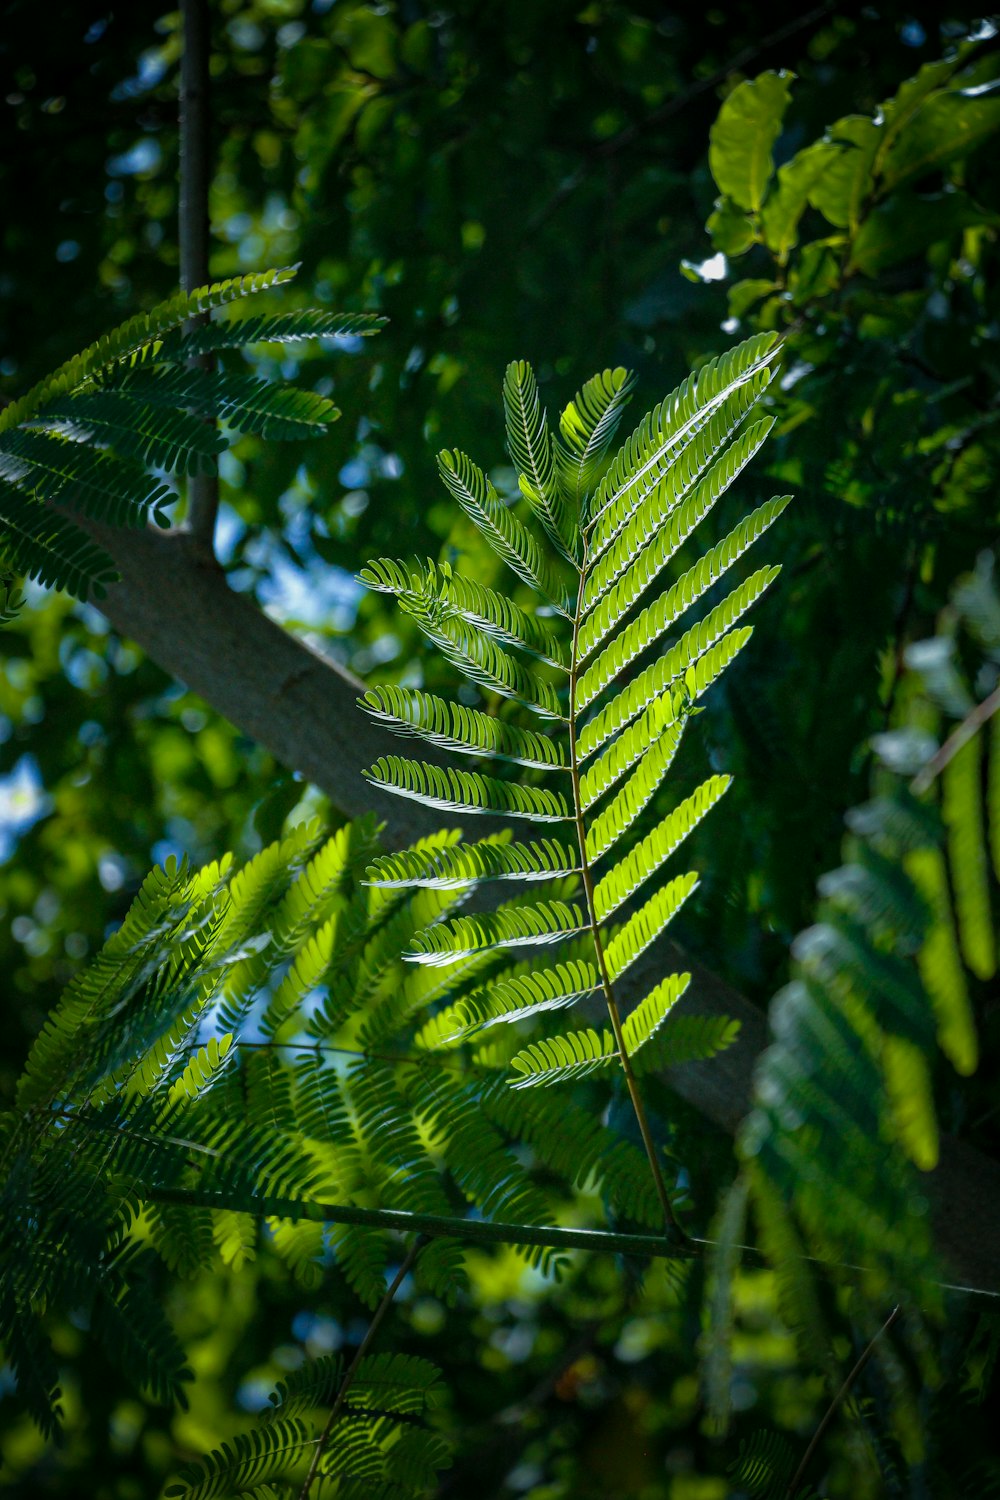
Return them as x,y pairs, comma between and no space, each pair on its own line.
193,228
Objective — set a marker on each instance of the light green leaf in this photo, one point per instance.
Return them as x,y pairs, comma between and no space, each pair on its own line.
467,730
652,852
544,923
748,124
643,1023
494,858
466,791
730,229
648,922
963,817
558,1058
841,190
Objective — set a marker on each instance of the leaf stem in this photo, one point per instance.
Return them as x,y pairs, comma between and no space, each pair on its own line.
355,1365
670,1218
837,1402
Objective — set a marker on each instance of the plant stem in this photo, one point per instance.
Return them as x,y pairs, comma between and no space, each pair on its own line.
631,1082
355,1365
193,228
433,1226
960,736
837,1402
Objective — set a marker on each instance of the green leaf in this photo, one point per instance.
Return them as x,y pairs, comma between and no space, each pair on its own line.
687,1039
666,710
489,859
248,1460
648,453
967,856
843,186
647,923
947,127
797,180
172,440
269,328
531,446
139,333
747,126
588,426
58,470
651,853
41,543
431,590
467,730
515,998
621,812
906,224
467,483
731,230
544,923
643,1023
466,791
558,1058
700,646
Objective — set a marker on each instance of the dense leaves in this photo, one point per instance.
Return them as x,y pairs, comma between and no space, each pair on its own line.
524,181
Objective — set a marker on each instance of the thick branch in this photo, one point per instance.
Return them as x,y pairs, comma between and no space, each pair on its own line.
303,708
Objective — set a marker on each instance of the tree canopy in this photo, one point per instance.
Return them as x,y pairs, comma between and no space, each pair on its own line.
378,1144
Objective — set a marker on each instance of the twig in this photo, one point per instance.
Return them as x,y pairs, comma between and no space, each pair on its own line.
355,1364
837,1402
969,726
193,230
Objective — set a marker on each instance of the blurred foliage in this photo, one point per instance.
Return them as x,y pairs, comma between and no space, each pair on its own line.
521,181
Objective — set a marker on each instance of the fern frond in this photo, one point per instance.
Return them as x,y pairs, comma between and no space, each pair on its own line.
454,727
514,927
699,658
616,819
555,1059
687,466
140,332
466,791
489,859
652,852
174,441
687,1039
270,328
247,1461
512,541
649,451
52,467
588,426
642,1024
428,589
531,446
37,540
648,922
622,733
514,998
